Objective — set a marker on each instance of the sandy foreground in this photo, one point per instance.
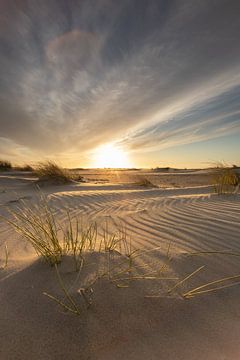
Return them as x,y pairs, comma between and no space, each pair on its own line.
142,321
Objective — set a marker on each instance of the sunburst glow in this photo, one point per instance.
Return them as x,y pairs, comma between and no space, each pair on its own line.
111,156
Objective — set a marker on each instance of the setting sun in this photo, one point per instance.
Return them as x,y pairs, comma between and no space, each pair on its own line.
111,156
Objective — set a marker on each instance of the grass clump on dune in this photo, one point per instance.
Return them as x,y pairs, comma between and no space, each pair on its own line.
51,239
25,167
38,226
144,182
5,165
103,252
51,171
226,180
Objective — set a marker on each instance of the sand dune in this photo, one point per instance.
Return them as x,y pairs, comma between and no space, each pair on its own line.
124,323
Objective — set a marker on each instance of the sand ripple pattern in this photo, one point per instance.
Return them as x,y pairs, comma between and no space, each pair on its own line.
192,220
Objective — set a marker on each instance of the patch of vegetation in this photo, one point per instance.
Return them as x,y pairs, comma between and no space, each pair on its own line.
77,240
49,171
163,169
226,180
6,258
209,287
144,182
38,225
25,167
5,165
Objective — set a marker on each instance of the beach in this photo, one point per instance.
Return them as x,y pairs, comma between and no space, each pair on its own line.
186,227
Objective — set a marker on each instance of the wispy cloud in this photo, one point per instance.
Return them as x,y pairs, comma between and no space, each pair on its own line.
147,74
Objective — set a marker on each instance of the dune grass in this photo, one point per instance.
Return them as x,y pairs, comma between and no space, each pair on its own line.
77,238
38,226
212,286
25,167
51,240
181,282
6,258
71,305
51,171
5,165
121,274
225,179
144,182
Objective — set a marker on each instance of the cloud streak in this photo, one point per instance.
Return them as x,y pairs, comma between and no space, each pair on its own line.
146,74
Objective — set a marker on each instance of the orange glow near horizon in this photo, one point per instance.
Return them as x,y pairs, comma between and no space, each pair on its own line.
110,156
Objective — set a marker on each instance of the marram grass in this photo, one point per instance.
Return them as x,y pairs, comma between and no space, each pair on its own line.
71,305
5,264
225,180
144,182
51,171
38,226
5,165
210,286
51,240
185,279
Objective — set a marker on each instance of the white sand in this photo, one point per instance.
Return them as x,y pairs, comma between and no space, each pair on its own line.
123,323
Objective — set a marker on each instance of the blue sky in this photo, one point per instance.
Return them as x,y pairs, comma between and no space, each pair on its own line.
195,155
160,79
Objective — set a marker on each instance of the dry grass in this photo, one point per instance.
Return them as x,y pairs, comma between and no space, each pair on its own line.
225,180
144,182
71,305
209,287
25,167
52,241
51,172
181,282
212,286
38,226
5,165
6,258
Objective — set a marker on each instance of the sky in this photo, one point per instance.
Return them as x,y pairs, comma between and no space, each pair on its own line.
157,79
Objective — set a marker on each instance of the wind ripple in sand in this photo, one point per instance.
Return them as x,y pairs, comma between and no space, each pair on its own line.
153,217
189,220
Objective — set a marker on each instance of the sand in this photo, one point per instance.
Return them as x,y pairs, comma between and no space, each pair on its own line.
142,321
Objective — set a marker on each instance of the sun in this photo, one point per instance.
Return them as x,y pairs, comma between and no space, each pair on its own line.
111,156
